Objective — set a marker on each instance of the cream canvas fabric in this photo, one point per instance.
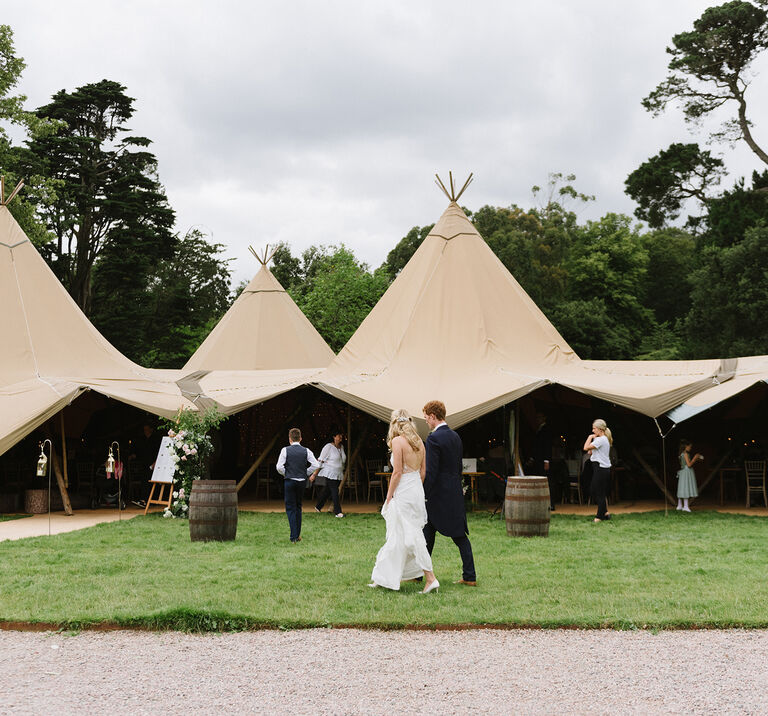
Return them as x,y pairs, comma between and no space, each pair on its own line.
50,352
456,326
263,330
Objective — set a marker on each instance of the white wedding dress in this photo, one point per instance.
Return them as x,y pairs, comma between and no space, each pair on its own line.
404,554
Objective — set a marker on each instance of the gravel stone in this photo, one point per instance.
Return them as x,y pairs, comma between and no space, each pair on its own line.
349,671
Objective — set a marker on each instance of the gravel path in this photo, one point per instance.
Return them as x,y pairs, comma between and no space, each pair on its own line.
365,672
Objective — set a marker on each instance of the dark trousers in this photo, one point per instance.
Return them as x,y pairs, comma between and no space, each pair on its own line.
601,477
465,550
331,488
294,490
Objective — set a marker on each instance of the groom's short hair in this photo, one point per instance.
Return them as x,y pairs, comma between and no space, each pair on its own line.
294,435
436,408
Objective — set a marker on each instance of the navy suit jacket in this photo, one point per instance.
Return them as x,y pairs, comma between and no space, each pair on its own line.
443,483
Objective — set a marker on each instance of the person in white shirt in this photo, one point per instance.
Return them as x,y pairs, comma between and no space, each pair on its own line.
332,460
598,445
295,463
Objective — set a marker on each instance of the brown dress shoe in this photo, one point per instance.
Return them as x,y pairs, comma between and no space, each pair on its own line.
466,583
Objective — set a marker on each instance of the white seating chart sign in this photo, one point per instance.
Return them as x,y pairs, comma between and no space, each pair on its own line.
164,465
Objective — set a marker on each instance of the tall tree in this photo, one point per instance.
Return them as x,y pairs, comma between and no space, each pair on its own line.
710,68
664,182
108,192
12,112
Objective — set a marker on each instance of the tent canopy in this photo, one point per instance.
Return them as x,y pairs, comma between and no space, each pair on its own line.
50,352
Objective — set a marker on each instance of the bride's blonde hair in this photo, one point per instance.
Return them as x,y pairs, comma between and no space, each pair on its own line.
401,423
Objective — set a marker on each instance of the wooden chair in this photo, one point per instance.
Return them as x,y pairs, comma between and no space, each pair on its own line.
574,488
374,481
755,472
262,479
351,483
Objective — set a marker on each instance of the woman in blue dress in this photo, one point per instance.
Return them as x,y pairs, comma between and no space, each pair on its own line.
686,477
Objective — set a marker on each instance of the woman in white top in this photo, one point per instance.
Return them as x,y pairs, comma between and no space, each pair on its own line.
598,445
332,459
404,555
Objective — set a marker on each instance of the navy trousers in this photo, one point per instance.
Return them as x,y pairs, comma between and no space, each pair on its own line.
465,550
294,490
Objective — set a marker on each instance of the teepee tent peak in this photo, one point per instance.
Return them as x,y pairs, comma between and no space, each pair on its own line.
452,195
265,256
3,200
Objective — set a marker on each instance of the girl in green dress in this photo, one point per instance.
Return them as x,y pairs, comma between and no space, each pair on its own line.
686,477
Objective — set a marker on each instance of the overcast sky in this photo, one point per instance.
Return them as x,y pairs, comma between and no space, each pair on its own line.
325,122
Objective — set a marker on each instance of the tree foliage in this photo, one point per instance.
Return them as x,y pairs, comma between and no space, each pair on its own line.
108,195
337,292
160,321
709,68
662,184
729,300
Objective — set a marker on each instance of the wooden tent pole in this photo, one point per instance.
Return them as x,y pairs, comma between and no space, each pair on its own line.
714,471
352,458
269,447
64,449
60,481
348,466
652,475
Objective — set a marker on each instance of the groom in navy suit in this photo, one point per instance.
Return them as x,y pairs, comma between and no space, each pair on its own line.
443,489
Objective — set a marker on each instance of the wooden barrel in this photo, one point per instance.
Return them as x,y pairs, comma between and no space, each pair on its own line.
213,510
527,506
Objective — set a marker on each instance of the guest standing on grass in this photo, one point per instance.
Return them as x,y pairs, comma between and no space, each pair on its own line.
332,459
295,463
598,445
686,477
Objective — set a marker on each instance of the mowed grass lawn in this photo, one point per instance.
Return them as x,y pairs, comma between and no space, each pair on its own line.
638,571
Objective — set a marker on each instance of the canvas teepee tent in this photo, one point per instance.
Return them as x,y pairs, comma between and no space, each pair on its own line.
455,325
263,330
263,346
50,352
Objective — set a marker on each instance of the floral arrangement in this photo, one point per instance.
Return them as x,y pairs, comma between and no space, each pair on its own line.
190,446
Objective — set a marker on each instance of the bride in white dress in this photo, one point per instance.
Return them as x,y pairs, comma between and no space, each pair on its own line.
404,555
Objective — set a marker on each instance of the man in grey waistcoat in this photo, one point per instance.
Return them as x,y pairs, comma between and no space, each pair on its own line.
296,463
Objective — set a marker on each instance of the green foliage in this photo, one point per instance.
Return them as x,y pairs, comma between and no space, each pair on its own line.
190,448
672,259
162,319
710,67
608,266
12,112
338,292
729,311
108,202
533,246
733,212
638,571
664,182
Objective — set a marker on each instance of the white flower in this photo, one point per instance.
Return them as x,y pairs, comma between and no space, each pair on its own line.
184,457
175,494
167,513
193,451
184,508
171,434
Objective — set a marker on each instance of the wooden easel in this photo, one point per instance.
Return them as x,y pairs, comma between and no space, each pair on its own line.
159,500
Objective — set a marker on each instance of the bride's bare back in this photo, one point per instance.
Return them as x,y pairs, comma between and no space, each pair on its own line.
410,460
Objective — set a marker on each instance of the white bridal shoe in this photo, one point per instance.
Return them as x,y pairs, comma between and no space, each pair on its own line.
431,586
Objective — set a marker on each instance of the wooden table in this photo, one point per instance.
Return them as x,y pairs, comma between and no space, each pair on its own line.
727,472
